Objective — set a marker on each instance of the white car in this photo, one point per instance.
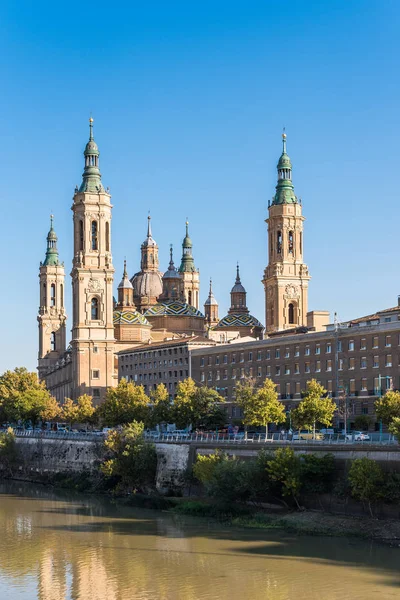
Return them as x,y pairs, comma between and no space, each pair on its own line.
358,436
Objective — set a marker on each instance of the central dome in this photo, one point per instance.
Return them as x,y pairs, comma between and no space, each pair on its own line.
147,284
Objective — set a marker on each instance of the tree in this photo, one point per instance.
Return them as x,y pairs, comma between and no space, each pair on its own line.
161,411
123,404
69,411
129,458
23,397
203,468
284,468
362,422
366,479
85,409
314,408
388,407
51,410
394,427
193,405
260,406
8,449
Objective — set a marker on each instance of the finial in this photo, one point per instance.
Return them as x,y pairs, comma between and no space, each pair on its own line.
284,140
187,227
149,225
171,261
91,128
51,221
237,273
125,271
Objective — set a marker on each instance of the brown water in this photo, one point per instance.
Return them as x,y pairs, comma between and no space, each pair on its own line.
55,546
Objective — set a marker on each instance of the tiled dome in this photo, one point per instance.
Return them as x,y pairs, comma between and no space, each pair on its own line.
239,320
129,317
174,309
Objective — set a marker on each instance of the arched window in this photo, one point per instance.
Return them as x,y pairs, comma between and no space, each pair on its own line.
52,294
107,236
290,242
52,341
190,297
95,309
62,296
80,235
279,242
291,314
94,236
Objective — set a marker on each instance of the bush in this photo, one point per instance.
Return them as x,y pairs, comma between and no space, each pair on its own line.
317,473
230,481
391,488
8,450
204,466
284,468
366,478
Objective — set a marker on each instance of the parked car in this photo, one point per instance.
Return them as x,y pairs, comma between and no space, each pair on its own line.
358,436
304,434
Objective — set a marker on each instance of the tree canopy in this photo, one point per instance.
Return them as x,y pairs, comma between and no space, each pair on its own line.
123,404
314,407
193,405
388,407
260,406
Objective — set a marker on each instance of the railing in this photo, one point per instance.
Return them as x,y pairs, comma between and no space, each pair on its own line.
274,438
60,435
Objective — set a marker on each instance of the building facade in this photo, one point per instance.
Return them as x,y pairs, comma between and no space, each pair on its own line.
356,362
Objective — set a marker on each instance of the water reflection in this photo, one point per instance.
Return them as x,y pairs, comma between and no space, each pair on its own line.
57,546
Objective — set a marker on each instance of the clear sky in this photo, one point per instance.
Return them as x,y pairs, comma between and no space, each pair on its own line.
189,100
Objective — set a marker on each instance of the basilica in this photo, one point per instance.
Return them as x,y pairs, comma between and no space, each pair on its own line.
150,307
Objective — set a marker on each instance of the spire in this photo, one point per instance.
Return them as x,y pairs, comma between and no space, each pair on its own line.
284,189
51,251
187,262
238,296
237,274
125,283
91,177
211,301
149,241
148,227
171,259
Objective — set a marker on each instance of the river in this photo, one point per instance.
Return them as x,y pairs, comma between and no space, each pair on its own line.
60,546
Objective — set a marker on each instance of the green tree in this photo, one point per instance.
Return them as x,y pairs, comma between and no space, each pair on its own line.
22,396
85,408
69,411
161,410
8,450
51,410
388,407
317,473
123,404
362,422
284,468
314,408
394,427
192,404
130,459
260,406
366,479
204,466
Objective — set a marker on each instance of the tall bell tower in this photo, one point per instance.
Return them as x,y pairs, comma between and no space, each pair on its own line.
286,277
190,275
92,282
52,316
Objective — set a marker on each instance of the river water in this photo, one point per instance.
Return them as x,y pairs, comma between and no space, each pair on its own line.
58,546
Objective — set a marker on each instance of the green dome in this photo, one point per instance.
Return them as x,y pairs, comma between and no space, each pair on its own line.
284,162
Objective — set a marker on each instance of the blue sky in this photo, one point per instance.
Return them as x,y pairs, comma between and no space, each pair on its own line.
189,100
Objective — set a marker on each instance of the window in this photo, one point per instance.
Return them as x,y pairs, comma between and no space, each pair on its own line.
307,367
290,240
297,388
225,359
242,357
352,387
52,294
218,376
329,348
95,349
287,353
202,361
202,377
259,371
291,314
287,370
250,356
364,410
317,366
209,375
277,371
340,364
95,309
329,385
217,360
107,236
388,360
351,363
297,351
81,235
307,350
364,386
259,355
296,369
209,361
277,353
317,349
61,295
388,341
241,373
233,359
268,371
96,374
329,365
52,341
95,392
351,345
363,344
388,319
279,242
268,354
287,390
94,235
375,342
375,364
225,375
233,373
363,362
339,346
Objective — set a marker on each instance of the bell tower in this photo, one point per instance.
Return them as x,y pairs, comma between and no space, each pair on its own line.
286,277
51,317
92,282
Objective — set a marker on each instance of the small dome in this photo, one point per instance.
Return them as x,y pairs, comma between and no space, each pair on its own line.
91,148
125,284
239,320
238,288
211,301
173,309
147,283
129,317
284,162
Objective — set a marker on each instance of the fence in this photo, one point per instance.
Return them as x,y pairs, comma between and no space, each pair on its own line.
60,435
